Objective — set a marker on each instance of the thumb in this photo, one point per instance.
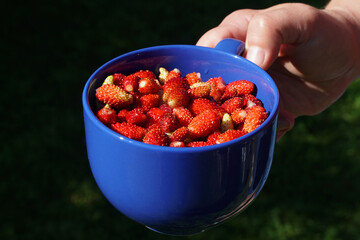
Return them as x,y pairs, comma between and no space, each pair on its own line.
270,28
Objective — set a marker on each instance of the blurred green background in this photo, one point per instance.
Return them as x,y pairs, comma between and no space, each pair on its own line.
48,51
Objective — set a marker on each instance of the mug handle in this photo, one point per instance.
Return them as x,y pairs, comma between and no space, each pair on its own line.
231,45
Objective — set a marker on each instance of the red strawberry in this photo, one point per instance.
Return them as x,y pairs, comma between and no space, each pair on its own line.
255,116
218,82
250,100
204,124
136,116
148,86
145,74
155,114
183,116
238,116
113,95
175,73
122,115
232,104
178,97
211,139
229,135
166,108
177,144
200,90
107,115
198,144
156,136
129,130
237,88
118,78
215,93
168,123
148,101
192,78
174,83
180,134
130,83
200,105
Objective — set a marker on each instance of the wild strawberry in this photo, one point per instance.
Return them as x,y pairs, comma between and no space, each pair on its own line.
200,105
108,80
156,136
215,93
155,114
226,123
148,101
198,144
177,144
145,74
229,135
130,83
113,95
238,116
183,116
211,139
192,78
118,78
232,104
166,108
121,116
107,115
168,123
180,134
174,83
129,130
237,88
218,82
204,124
136,116
163,72
255,116
178,97
250,100
148,86
175,73
200,90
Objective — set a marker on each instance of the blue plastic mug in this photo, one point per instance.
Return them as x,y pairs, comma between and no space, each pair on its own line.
182,191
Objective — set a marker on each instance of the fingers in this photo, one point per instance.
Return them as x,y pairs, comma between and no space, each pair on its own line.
264,30
285,123
281,24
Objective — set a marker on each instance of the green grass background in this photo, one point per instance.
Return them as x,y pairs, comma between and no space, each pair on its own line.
48,51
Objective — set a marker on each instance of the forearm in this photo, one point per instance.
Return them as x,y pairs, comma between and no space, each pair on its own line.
349,11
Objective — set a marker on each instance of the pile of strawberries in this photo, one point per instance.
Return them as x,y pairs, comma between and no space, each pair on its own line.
178,111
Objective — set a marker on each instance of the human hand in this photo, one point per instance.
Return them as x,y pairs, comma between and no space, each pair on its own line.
312,54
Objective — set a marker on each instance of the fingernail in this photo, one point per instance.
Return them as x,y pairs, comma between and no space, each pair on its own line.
256,55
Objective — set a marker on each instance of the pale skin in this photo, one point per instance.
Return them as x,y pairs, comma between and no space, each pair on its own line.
312,54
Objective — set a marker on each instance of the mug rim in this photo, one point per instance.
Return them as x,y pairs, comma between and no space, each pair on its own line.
92,116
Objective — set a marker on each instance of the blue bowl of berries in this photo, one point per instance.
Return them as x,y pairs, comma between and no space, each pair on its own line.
180,138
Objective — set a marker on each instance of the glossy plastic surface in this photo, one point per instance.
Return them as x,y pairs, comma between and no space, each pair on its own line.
181,191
